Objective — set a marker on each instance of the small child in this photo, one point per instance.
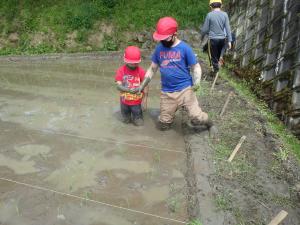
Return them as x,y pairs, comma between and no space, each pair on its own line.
128,79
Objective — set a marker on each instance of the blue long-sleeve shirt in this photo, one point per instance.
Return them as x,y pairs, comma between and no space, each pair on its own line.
214,25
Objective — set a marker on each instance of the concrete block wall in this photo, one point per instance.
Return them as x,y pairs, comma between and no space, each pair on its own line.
268,39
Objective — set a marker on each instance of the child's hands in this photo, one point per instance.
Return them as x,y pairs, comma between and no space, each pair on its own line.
133,90
139,90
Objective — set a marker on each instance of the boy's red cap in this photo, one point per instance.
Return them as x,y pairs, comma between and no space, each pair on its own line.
132,55
165,28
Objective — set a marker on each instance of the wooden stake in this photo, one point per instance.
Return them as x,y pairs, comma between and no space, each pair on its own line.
237,148
146,99
226,103
213,85
277,219
145,103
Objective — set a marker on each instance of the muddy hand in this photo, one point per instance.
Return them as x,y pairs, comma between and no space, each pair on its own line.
122,88
139,90
144,84
133,90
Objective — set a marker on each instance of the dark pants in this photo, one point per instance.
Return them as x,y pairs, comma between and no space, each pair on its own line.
133,112
216,46
224,49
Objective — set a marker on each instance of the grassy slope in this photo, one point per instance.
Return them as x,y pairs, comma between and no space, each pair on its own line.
290,143
62,17
247,115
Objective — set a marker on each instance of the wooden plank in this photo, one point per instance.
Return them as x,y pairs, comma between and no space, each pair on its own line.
214,83
237,148
279,218
226,103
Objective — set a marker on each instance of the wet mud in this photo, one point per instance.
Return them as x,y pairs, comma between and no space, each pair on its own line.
61,131
75,162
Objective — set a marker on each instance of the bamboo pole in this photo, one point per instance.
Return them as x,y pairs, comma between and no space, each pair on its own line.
146,99
237,148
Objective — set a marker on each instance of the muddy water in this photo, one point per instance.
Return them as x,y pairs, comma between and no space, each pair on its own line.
60,129
77,97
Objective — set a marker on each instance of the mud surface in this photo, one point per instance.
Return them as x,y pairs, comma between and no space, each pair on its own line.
61,131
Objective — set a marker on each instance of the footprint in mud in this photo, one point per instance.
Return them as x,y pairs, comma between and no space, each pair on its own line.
136,186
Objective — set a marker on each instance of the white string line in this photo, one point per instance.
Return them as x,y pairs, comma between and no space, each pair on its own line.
109,141
90,200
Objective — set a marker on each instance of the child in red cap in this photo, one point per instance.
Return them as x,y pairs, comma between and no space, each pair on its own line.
128,79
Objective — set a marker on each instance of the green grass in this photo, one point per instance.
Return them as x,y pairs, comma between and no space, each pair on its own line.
57,17
195,222
239,168
282,201
204,89
145,13
224,201
282,154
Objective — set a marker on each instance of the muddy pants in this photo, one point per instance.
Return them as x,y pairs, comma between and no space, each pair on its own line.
131,112
170,102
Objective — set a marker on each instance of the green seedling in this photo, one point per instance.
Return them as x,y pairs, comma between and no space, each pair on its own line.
195,222
223,201
156,157
282,154
174,204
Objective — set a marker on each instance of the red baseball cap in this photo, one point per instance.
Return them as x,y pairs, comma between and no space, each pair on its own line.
132,55
165,28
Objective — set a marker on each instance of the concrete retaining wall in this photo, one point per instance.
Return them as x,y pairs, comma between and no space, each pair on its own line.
268,40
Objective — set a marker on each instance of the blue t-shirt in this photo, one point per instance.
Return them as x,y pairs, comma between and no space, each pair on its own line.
174,66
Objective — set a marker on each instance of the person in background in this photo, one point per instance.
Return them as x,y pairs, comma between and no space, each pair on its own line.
216,22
